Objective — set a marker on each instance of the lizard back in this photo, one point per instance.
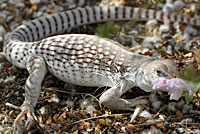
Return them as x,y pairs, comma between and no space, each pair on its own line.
83,59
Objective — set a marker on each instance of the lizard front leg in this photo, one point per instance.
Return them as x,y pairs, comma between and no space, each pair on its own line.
36,67
111,98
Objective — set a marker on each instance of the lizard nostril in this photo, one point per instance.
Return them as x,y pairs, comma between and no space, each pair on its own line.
173,76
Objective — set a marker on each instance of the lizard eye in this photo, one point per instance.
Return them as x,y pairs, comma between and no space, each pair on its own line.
159,72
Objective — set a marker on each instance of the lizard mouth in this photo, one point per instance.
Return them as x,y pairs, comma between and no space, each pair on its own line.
171,76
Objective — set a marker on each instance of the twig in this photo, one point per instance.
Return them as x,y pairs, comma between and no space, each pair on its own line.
195,112
102,116
161,121
62,91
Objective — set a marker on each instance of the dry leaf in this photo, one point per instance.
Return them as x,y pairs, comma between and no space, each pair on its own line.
55,118
98,128
41,120
196,52
85,125
198,94
48,83
56,128
34,7
48,121
107,113
187,10
1,118
5,128
62,117
161,125
102,121
74,128
130,127
178,113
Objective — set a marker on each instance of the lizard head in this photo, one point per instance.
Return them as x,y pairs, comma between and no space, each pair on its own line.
154,69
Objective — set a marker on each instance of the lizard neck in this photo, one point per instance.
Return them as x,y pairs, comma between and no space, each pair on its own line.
131,68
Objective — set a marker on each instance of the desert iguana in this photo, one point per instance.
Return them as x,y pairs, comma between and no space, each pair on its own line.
86,60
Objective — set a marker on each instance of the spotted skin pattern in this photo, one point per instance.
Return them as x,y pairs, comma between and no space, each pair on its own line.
86,60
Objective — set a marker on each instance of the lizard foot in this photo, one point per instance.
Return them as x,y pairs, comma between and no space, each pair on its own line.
31,118
139,101
133,103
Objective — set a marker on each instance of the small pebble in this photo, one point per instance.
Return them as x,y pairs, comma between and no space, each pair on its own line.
2,30
188,45
164,28
90,109
124,130
133,32
162,117
1,40
154,131
191,31
197,131
70,4
193,7
13,25
9,80
156,105
152,22
153,39
54,98
169,50
180,130
171,107
1,64
146,114
153,97
81,3
42,110
180,45
19,4
188,55
178,4
146,44
176,25
3,15
187,108
33,2
181,104
168,8
85,103
145,50
159,5
69,103
186,36
1,129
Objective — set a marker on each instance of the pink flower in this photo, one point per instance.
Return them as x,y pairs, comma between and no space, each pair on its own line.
174,86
